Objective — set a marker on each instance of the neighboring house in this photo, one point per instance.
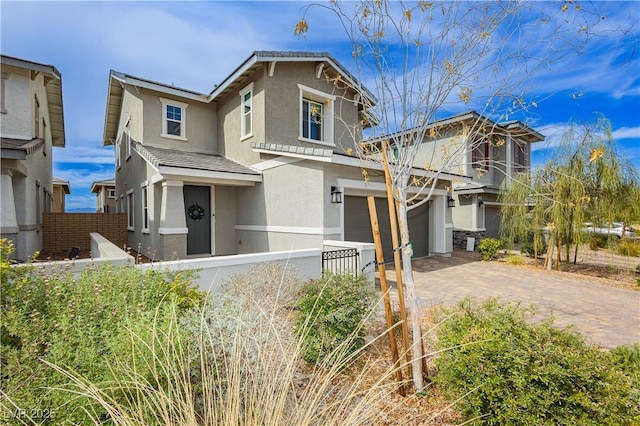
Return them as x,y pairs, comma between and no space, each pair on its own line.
31,123
259,164
105,191
488,158
61,188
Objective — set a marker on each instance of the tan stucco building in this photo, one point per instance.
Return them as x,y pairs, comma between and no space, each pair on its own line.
61,188
31,124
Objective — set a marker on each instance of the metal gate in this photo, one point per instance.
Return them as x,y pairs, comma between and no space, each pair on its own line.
341,261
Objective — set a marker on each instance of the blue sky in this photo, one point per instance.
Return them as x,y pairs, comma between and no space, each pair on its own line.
195,45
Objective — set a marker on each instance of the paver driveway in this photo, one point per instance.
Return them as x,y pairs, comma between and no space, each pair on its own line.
610,316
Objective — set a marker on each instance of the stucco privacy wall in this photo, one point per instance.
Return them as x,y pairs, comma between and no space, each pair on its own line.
62,231
213,272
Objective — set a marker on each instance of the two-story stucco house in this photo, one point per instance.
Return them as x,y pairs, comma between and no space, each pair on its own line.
31,123
61,188
259,164
472,145
105,191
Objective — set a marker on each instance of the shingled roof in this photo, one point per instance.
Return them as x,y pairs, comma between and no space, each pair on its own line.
159,157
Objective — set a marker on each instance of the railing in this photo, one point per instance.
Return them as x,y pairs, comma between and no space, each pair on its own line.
341,261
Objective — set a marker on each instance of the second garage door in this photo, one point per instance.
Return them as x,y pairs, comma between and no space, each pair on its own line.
357,225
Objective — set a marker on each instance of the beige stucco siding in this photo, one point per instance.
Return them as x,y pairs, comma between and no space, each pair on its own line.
446,153
225,220
231,144
18,120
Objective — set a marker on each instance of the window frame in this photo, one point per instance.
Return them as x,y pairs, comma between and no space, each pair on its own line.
118,154
111,194
36,107
519,157
144,188
480,147
244,132
130,211
3,91
127,135
308,94
183,119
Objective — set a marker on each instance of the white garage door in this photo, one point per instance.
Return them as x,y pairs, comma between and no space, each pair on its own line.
357,225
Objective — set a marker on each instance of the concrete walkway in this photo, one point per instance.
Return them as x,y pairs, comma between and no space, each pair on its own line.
610,316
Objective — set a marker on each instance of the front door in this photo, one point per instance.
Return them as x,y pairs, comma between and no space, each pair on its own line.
197,204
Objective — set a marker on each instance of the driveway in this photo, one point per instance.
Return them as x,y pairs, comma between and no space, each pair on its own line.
608,315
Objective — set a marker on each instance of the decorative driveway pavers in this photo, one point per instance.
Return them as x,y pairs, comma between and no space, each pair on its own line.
608,315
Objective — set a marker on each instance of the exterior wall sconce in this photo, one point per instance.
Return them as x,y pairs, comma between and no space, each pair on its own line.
336,195
480,202
451,202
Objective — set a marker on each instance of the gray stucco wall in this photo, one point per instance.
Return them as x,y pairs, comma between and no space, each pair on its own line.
225,220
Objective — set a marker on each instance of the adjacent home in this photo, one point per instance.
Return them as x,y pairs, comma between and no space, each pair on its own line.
61,189
105,191
488,152
31,124
262,163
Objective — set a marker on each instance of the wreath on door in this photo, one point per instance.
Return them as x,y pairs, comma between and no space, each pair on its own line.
196,211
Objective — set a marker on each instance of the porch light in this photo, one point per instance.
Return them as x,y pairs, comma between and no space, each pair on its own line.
451,202
480,202
336,195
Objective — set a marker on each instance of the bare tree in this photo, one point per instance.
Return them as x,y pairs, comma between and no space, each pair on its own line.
424,60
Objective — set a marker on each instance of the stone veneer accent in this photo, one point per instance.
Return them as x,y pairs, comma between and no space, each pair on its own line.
460,238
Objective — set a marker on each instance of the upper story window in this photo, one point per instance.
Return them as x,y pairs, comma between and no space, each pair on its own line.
5,76
519,157
311,120
316,116
111,193
246,121
117,154
480,154
174,119
36,124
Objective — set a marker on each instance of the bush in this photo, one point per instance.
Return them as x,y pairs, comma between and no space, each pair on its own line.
506,371
513,259
81,323
489,247
628,247
527,247
331,313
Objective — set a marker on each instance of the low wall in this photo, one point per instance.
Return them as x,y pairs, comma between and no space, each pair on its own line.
62,231
103,250
214,271
367,252
460,238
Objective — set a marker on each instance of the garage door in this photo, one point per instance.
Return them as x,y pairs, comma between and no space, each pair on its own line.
357,225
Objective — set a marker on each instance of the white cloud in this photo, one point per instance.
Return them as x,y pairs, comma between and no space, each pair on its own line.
75,153
627,133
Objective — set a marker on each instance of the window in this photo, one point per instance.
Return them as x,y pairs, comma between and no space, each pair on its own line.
145,208
38,205
480,154
174,117
130,211
5,76
117,152
36,124
246,121
127,136
316,116
44,135
311,120
111,193
519,157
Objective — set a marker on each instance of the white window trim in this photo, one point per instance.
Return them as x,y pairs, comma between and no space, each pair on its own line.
109,192
3,106
144,201
118,154
243,133
183,127
328,117
131,221
127,135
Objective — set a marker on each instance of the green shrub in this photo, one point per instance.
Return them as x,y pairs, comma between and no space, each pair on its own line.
514,259
506,371
628,247
331,313
489,247
81,323
527,247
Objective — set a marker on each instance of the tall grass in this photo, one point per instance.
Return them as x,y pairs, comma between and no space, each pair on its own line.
236,362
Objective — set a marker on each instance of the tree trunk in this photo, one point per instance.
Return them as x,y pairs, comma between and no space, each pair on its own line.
407,277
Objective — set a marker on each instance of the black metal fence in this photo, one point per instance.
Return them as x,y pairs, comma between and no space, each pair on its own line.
341,261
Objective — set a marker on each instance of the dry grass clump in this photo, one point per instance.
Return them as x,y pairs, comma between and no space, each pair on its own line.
236,362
